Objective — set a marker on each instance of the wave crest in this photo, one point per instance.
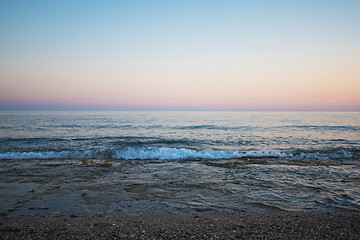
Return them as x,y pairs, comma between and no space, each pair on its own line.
164,153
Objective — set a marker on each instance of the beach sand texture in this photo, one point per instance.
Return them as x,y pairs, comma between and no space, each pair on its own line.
218,225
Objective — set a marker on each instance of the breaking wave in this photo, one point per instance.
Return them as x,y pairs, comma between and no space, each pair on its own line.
164,153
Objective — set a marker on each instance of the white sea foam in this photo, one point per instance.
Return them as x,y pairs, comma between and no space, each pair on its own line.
342,154
47,155
183,153
164,153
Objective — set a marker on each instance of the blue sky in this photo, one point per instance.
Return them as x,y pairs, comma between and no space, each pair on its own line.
261,55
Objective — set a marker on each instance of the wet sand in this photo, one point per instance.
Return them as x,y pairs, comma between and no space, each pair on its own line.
218,225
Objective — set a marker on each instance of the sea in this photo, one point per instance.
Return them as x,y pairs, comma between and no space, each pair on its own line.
115,163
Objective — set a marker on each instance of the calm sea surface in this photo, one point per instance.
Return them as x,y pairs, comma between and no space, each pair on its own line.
122,163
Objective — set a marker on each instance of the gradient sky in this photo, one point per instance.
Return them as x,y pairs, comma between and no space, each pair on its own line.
198,54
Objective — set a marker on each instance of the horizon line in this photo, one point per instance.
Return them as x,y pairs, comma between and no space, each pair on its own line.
170,109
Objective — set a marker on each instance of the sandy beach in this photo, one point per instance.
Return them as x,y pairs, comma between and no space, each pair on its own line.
218,225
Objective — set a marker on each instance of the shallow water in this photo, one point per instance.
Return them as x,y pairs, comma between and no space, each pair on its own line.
121,163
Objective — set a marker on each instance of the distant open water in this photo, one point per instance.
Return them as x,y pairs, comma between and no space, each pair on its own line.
121,163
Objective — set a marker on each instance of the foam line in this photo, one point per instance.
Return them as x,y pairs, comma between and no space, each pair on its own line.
164,153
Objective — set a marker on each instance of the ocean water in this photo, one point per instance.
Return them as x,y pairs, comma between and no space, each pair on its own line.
124,163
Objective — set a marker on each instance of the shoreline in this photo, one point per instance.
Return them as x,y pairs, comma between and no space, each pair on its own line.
216,225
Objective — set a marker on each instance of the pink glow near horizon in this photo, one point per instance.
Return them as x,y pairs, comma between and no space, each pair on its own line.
262,59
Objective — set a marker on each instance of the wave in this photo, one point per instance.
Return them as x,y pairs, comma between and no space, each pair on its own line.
214,127
183,153
341,154
248,128
163,153
193,127
322,127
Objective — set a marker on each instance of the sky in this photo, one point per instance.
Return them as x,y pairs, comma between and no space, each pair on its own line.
180,55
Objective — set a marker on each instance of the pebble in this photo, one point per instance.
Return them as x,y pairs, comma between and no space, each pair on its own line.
256,225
